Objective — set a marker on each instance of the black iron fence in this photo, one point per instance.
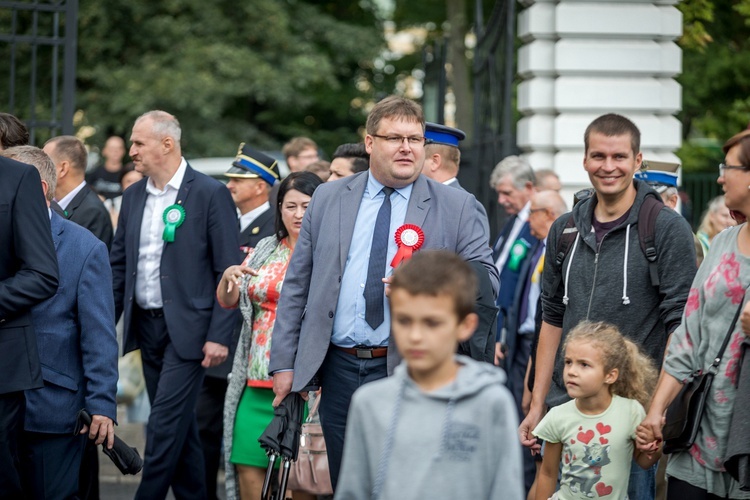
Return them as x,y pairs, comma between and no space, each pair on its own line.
700,188
38,41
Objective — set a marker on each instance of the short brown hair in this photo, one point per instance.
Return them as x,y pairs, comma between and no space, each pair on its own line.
451,154
613,125
743,139
394,107
439,272
70,148
296,145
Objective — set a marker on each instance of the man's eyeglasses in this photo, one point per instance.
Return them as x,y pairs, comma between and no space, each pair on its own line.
397,140
534,210
723,167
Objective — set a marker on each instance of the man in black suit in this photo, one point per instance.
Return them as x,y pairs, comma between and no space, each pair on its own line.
78,202
251,177
176,234
28,276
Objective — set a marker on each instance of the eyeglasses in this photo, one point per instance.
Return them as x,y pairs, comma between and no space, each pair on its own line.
723,167
534,210
397,140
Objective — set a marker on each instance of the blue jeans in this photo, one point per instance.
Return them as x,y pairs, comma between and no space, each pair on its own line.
642,483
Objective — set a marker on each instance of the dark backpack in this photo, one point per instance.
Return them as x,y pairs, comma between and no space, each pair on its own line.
647,215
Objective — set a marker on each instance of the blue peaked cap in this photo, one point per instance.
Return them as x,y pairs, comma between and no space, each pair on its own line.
442,134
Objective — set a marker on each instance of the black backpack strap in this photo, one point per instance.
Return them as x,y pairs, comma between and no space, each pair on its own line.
566,240
647,215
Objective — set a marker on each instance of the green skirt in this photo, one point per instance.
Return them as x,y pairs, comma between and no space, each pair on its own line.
254,413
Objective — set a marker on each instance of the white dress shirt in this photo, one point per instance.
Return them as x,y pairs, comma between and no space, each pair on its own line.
248,218
65,201
521,219
147,282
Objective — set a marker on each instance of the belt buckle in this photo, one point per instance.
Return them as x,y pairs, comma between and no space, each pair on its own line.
363,353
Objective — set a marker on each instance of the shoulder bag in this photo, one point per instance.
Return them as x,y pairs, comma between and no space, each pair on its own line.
310,472
684,414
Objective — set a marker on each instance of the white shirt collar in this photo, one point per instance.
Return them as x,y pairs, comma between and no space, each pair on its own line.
174,183
249,217
65,201
449,181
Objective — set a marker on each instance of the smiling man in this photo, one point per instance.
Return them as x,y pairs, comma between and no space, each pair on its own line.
333,325
606,259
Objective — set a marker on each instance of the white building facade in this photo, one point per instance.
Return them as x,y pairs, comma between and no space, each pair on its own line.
581,59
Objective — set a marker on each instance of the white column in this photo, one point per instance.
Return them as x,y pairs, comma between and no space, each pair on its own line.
581,59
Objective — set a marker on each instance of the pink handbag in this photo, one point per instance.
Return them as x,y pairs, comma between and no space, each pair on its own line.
310,472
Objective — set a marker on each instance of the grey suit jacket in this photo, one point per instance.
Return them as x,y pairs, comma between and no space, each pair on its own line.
304,322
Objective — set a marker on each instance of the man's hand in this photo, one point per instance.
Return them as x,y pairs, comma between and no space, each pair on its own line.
101,428
282,385
499,353
215,354
529,424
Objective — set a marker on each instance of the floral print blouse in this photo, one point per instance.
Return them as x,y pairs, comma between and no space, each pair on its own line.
263,292
717,291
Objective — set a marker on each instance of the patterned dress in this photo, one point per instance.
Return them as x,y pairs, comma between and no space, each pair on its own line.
262,294
717,291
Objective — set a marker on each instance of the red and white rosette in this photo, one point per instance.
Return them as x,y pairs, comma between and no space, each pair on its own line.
409,239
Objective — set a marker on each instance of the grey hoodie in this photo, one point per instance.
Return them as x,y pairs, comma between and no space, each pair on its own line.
456,442
612,283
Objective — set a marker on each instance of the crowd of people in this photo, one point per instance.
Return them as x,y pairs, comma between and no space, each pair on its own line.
370,283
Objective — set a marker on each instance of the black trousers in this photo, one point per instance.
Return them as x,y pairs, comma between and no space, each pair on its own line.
88,478
678,489
50,465
516,374
12,412
210,414
341,375
173,455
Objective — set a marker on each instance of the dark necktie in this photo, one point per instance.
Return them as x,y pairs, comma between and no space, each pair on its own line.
524,309
376,267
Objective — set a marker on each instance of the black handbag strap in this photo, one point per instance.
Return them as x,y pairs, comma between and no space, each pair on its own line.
714,368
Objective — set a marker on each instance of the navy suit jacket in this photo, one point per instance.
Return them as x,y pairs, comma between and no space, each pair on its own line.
75,331
28,272
262,227
191,266
509,277
87,210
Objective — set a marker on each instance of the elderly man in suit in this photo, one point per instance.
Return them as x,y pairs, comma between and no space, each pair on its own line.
251,177
176,234
74,196
332,319
77,343
28,276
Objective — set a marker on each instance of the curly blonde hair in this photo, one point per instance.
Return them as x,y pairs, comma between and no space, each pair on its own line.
637,373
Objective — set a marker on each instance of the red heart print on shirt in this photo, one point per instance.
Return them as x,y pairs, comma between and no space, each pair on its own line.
603,429
585,437
603,490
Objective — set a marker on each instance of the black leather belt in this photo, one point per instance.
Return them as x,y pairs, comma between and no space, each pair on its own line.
364,352
153,313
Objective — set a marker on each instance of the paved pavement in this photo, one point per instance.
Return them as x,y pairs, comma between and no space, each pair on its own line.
115,486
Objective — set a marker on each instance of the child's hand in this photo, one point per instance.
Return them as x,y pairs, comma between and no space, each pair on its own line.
645,439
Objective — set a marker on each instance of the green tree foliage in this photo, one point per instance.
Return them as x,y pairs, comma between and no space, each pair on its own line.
715,78
258,72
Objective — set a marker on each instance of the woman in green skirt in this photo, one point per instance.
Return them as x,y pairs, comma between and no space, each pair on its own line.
255,286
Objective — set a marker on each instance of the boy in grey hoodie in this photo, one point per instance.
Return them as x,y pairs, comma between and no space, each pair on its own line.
443,426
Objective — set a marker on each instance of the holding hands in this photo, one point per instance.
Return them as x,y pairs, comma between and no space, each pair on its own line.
648,437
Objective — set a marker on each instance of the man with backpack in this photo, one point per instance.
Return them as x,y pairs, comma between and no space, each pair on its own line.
619,257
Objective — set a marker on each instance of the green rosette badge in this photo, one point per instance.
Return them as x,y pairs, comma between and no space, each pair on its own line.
174,216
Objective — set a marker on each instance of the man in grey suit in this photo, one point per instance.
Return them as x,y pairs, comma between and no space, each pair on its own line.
333,325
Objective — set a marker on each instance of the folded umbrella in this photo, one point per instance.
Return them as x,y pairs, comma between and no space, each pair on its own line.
125,458
281,438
